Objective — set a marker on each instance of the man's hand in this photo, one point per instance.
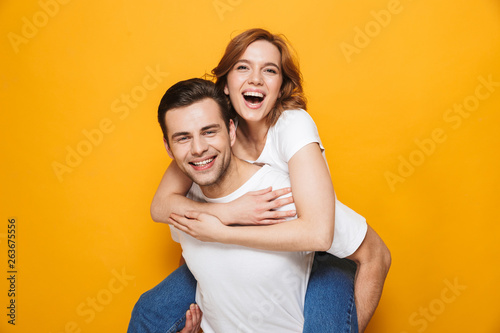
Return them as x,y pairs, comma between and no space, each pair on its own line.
258,208
193,319
204,227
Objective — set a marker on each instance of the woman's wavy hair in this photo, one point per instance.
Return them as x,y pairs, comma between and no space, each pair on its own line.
291,93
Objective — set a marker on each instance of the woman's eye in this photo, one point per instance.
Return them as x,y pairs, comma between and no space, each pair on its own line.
241,67
271,70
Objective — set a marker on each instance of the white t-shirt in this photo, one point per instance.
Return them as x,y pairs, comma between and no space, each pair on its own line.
293,130
242,289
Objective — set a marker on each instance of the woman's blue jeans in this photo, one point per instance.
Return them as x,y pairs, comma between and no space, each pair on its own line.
329,304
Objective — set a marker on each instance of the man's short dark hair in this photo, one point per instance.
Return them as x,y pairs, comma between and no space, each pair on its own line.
188,92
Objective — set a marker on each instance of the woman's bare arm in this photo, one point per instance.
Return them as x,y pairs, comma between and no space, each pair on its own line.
313,228
253,208
170,197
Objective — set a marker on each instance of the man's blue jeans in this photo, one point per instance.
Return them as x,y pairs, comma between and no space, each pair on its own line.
329,304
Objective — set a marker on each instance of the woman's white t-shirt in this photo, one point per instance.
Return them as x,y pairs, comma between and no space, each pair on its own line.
294,130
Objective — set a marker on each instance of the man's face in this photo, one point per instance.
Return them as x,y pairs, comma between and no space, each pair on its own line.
199,141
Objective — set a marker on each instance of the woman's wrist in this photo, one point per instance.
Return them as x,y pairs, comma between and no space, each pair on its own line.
221,211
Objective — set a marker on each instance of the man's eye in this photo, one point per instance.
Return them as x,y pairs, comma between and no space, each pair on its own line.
209,132
182,138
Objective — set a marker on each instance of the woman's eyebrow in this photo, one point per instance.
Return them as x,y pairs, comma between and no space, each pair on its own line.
265,64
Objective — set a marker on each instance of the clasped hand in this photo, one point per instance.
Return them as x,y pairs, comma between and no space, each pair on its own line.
252,208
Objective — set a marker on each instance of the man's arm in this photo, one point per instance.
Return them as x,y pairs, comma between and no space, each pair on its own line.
313,228
170,197
253,208
373,259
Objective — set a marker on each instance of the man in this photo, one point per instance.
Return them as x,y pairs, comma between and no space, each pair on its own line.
239,289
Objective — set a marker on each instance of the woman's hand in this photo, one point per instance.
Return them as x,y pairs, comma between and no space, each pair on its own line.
193,319
202,226
258,208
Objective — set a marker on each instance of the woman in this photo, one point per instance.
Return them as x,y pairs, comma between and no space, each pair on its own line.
263,83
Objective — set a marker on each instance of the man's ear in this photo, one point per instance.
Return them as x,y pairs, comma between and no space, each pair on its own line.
232,132
169,152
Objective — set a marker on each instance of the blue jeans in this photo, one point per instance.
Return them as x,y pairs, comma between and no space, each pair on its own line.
329,304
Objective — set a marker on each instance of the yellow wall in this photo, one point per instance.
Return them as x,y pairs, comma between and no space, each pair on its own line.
400,93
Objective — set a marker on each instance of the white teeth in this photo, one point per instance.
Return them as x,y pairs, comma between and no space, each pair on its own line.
205,162
254,94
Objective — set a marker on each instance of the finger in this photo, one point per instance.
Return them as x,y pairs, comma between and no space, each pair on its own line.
179,226
278,214
196,315
192,214
278,193
280,202
172,221
174,215
189,322
180,219
261,192
271,222
200,314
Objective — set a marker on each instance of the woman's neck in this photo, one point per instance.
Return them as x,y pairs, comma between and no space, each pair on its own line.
250,139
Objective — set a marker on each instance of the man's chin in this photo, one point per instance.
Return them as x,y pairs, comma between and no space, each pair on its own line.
205,180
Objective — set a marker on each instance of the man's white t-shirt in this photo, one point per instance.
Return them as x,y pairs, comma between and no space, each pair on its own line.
243,289
294,130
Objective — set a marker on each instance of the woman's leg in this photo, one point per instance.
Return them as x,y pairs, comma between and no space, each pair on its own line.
329,305
163,308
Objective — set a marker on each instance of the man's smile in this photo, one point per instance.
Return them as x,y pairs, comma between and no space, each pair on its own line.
203,164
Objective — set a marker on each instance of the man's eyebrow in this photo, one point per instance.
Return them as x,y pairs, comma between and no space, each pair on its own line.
265,65
204,128
211,126
176,134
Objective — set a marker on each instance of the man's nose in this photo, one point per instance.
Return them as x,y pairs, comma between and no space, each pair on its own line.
198,146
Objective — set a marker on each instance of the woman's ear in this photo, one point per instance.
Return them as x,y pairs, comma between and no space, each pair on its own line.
169,152
226,90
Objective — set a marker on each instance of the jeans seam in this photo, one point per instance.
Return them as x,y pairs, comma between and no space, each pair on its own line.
173,329
352,308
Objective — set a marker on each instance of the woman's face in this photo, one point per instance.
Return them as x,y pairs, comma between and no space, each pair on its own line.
254,82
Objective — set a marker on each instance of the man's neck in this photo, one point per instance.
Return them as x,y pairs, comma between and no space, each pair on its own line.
237,173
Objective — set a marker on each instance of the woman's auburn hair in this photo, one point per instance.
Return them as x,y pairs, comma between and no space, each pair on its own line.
291,93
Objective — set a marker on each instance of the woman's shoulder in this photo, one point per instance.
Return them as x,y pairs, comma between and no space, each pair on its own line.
293,130
291,120
293,115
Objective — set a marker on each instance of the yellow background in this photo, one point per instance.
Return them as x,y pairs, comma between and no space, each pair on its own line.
67,67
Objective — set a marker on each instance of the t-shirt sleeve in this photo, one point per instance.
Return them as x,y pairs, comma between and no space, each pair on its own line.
295,129
350,231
